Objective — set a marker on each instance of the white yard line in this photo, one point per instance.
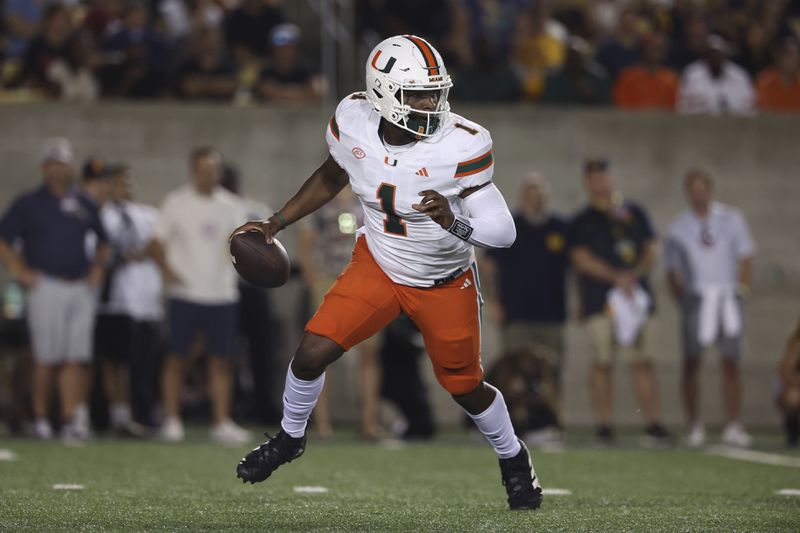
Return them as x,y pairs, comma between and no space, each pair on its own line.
67,486
311,490
557,492
754,456
788,492
7,455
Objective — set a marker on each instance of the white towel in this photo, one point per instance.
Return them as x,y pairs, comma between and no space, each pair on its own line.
628,313
718,308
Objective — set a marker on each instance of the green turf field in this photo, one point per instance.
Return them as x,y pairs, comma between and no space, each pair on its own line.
450,485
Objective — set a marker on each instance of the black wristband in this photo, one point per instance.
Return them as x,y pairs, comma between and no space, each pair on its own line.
461,229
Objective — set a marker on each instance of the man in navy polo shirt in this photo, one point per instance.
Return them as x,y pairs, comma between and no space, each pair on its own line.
43,237
613,250
526,287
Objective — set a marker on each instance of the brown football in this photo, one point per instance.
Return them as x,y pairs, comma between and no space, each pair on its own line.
259,263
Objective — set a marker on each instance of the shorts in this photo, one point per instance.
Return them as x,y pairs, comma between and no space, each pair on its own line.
729,346
217,323
61,317
541,338
363,300
600,328
321,287
113,337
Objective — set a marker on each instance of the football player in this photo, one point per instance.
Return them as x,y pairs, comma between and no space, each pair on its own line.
423,175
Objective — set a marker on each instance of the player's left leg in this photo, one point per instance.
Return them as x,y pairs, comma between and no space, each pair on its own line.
360,303
449,319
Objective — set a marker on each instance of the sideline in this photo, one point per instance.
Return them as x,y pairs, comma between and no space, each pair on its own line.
754,456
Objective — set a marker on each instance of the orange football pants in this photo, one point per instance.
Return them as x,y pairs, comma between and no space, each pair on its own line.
364,300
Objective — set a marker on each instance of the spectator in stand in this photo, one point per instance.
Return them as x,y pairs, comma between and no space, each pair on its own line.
489,79
286,79
43,241
207,74
676,18
456,47
709,260
624,48
101,16
50,44
789,389
526,284
498,20
181,18
613,250
22,18
128,326
247,30
135,58
689,44
382,18
778,87
755,52
73,79
581,82
191,248
715,85
538,49
648,85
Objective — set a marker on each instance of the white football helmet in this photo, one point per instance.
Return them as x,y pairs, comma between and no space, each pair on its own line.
407,63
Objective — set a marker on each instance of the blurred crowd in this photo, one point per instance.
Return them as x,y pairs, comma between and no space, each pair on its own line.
128,318
692,56
136,317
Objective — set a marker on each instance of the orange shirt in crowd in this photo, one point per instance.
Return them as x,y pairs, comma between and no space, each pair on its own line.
775,93
640,88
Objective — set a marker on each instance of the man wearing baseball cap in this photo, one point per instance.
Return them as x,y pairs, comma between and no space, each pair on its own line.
42,241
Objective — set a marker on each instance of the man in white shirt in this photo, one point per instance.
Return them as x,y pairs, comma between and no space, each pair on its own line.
191,247
709,260
128,335
715,85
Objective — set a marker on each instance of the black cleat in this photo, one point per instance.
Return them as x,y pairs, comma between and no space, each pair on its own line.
519,479
260,463
605,435
656,436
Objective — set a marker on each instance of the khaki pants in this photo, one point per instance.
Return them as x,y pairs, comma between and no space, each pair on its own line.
600,328
544,339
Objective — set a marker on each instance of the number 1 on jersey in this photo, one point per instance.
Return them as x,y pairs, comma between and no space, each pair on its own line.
392,224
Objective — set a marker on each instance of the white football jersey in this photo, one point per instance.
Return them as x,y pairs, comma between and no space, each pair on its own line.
411,248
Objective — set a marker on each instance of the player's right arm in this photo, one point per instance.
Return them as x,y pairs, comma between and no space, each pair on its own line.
319,189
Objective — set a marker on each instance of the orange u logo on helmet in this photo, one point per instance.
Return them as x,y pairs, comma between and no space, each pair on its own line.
387,67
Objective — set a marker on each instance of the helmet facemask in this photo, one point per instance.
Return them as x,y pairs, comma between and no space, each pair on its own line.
419,122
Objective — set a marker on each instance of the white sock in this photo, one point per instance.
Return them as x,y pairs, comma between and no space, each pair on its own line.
299,399
495,424
80,416
120,415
